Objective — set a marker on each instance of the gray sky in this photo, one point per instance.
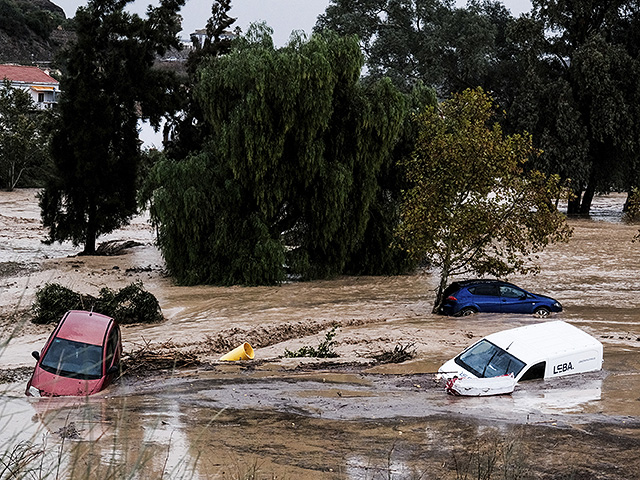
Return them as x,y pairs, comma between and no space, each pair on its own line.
284,16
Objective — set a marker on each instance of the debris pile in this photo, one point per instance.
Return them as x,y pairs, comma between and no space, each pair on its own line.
164,356
116,247
401,353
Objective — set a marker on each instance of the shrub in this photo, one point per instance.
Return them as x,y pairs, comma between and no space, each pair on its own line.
131,304
323,350
53,300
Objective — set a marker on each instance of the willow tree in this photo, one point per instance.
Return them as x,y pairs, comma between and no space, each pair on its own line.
109,84
287,180
470,208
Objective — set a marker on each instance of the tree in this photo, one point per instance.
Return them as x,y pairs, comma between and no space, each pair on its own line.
23,136
288,177
579,93
375,257
470,208
187,131
109,83
428,40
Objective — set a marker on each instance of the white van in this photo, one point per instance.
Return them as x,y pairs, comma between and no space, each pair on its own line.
543,350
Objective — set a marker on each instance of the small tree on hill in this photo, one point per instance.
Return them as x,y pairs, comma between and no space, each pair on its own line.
470,207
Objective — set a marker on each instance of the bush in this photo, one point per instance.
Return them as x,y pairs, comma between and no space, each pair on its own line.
131,304
632,206
324,349
53,300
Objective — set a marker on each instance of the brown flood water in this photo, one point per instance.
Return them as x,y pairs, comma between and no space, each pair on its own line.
292,419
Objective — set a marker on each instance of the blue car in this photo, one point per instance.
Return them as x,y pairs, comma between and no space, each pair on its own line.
472,296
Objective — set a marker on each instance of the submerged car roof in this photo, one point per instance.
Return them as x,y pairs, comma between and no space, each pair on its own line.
86,327
541,341
466,283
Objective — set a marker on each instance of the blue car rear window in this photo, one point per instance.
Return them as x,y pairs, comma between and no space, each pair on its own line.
490,290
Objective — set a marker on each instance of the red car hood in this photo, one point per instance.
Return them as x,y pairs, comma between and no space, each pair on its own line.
50,384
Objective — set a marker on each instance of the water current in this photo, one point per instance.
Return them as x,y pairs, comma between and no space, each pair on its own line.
286,418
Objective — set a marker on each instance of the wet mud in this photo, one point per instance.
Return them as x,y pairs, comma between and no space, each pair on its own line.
344,418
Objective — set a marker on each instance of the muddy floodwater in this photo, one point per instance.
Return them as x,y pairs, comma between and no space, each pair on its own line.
344,418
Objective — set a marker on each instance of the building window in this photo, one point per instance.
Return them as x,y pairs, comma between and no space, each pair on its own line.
41,97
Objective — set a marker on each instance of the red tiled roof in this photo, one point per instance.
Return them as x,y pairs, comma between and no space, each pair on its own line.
20,73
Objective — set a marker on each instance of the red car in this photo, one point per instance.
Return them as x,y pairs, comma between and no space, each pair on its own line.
81,357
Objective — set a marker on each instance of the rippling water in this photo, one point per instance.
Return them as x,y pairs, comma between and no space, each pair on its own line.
275,420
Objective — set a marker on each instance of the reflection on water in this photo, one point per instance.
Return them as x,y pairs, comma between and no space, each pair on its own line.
363,426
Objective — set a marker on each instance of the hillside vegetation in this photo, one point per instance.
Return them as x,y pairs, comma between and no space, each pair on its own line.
31,31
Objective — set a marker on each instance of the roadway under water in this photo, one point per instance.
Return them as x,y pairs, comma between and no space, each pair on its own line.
294,419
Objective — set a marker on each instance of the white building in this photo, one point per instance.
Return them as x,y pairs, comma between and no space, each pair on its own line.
44,89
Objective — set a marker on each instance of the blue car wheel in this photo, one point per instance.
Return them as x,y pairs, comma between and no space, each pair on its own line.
542,312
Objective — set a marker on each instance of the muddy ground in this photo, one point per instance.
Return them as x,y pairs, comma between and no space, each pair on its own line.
350,417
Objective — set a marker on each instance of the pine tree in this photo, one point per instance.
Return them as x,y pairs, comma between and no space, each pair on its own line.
109,84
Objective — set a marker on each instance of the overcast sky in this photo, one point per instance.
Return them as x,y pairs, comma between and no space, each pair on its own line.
283,16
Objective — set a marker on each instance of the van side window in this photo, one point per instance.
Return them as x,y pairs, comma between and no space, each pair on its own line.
535,372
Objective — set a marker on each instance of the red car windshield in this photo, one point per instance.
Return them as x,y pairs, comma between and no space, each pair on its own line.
73,359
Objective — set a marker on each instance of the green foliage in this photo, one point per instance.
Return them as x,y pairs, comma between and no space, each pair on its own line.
19,18
576,90
434,41
24,138
53,300
632,209
131,304
470,208
287,182
378,255
323,350
567,72
186,130
632,205
109,84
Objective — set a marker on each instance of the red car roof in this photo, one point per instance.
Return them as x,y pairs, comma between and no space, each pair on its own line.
86,327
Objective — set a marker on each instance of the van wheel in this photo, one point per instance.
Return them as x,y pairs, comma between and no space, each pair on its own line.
466,311
542,312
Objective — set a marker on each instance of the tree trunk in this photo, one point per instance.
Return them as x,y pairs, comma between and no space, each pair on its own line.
587,198
444,277
573,207
90,243
90,236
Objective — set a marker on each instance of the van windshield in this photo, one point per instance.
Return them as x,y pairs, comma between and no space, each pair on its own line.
73,359
486,360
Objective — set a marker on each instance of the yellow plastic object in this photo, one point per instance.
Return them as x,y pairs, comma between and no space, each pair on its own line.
241,352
